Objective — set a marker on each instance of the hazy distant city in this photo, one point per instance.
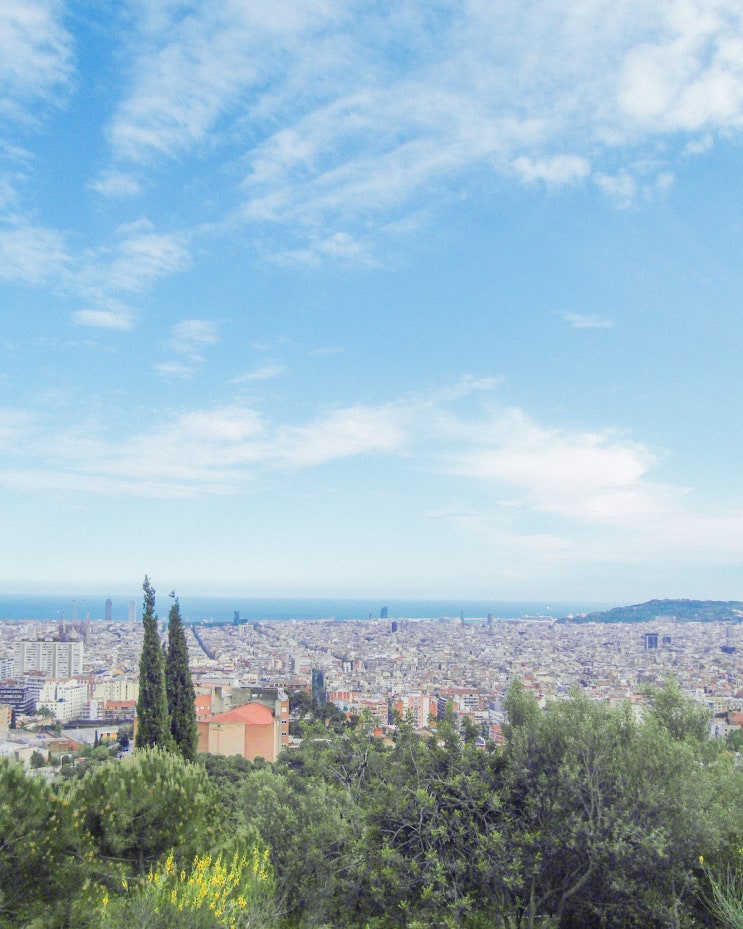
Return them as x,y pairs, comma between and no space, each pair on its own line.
88,670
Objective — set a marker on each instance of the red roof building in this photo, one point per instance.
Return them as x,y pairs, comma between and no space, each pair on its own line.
251,730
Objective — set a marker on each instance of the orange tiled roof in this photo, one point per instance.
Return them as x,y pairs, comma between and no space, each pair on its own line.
251,714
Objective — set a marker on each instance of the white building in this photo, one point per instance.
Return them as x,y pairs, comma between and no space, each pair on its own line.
54,659
116,688
66,699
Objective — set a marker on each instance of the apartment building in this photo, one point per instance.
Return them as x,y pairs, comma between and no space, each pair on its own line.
53,659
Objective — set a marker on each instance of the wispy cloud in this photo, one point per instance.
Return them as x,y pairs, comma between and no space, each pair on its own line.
187,339
587,321
557,170
337,136
190,69
178,369
527,489
144,255
32,254
190,335
119,319
265,373
116,184
36,255
593,476
35,53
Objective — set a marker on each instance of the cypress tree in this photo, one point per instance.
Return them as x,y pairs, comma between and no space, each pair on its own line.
153,723
179,686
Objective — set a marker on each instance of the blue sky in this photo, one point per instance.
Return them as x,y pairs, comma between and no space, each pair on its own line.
414,299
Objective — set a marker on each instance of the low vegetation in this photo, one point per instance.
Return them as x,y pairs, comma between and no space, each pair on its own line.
587,816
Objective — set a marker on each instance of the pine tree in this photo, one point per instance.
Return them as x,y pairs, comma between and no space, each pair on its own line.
153,723
179,686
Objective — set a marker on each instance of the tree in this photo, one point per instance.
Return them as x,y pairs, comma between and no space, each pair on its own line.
153,723
179,686
680,717
139,808
43,852
311,829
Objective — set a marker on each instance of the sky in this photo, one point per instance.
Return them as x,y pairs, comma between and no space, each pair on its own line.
351,298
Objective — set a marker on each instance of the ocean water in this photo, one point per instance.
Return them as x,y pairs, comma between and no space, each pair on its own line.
253,609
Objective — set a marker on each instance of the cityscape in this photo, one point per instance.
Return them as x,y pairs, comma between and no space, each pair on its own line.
83,675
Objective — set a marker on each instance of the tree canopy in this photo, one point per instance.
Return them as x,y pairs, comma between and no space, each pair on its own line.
589,816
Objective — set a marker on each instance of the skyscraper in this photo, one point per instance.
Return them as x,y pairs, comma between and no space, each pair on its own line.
108,610
132,611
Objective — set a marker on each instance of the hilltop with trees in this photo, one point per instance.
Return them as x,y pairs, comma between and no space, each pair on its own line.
653,610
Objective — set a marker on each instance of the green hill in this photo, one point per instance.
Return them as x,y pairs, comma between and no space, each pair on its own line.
680,610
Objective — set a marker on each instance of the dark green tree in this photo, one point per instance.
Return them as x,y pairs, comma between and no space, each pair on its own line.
43,852
153,723
138,809
179,686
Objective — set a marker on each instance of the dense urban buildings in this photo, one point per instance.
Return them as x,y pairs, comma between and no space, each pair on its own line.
411,667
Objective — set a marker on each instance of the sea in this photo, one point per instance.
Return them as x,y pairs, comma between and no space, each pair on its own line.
222,609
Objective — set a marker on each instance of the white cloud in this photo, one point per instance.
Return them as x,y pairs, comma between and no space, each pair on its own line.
32,254
35,50
588,477
145,256
119,319
189,335
339,141
594,476
689,76
621,187
587,321
508,483
187,338
558,170
352,431
116,184
174,369
265,373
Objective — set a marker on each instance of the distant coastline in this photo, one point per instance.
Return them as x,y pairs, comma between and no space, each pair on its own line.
56,607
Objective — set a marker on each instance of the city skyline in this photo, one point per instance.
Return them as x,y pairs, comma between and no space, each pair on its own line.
432,301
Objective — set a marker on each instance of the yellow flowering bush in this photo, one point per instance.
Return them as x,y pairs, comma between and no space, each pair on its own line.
217,892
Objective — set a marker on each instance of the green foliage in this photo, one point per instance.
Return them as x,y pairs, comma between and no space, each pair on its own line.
43,851
179,686
311,830
725,897
433,817
309,710
734,740
140,807
679,717
588,817
522,709
153,723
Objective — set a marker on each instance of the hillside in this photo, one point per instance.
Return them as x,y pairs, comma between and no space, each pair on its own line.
680,610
